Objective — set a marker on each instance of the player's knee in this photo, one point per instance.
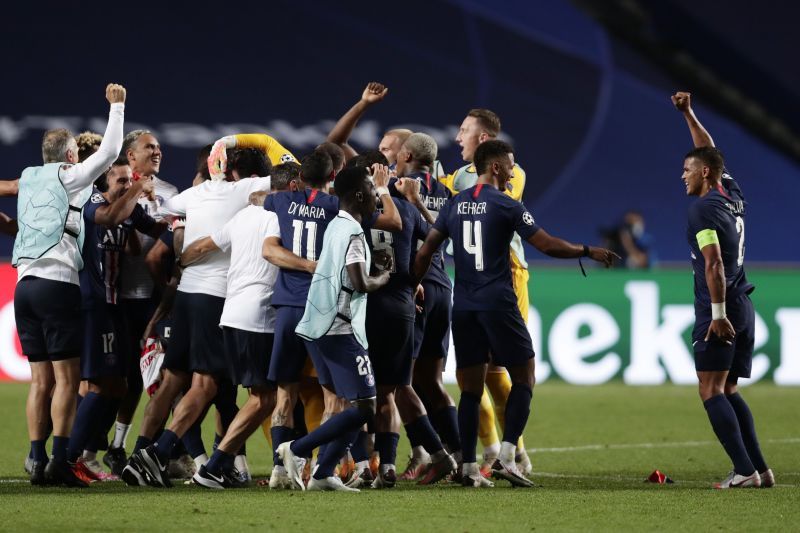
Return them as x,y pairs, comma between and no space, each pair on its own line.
366,406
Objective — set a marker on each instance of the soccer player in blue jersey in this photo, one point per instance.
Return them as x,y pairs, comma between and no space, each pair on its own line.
303,217
334,323
110,217
724,330
432,322
390,333
486,319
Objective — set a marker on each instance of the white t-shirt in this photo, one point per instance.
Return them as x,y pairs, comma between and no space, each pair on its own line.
207,207
251,278
136,281
59,262
356,253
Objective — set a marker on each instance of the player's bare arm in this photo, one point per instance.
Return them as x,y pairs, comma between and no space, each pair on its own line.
341,132
390,219
683,103
555,247
715,278
8,225
115,213
422,261
410,189
154,259
274,252
9,187
364,283
164,307
198,250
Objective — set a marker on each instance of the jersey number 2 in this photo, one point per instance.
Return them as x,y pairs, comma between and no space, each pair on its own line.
740,231
473,242
311,239
364,365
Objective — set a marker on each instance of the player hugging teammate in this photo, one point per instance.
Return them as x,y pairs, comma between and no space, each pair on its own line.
321,288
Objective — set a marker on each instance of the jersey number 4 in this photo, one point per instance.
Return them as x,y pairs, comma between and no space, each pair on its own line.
473,242
311,239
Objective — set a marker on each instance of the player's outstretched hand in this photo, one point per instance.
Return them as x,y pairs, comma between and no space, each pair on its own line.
419,298
723,329
115,93
682,101
380,175
408,187
602,255
374,92
218,161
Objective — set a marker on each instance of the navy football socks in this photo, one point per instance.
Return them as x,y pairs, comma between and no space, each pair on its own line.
386,445
748,429
141,442
218,462
518,408
87,420
726,426
164,445
344,423
359,448
446,422
38,451
193,440
428,438
468,412
60,445
279,434
329,456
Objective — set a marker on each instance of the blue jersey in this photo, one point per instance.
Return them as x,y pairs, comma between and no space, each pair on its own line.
401,246
719,217
303,217
434,195
481,221
102,250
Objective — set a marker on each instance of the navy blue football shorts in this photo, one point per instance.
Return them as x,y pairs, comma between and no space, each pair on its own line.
106,350
432,325
248,354
48,316
717,355
196,343
289,351
390,333
349,366
503,334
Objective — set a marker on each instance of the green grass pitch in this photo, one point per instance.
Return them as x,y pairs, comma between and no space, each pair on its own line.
593,448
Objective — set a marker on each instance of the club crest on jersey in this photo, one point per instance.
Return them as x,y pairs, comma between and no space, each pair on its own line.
287,158
97,198
527,218
370,380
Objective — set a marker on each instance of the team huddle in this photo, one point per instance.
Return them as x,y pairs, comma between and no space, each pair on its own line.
320,286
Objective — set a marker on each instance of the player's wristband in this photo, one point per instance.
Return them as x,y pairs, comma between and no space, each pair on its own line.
718,311
382,190
585,251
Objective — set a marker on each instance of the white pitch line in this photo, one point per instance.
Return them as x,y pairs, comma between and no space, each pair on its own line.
684,482
647,445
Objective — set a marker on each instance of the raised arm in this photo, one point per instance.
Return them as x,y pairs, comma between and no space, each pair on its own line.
115,213
683,103
273,251
81,175
555,247
409,188
341,132
390,219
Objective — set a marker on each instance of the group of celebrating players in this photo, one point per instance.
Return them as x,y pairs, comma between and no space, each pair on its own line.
321,288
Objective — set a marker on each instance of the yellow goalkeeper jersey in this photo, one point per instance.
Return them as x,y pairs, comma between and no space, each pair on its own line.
274,151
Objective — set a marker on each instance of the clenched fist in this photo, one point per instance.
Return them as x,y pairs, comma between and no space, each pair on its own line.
682,101
374,92
115,93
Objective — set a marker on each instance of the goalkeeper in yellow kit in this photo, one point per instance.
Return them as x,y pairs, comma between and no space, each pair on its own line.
481,125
